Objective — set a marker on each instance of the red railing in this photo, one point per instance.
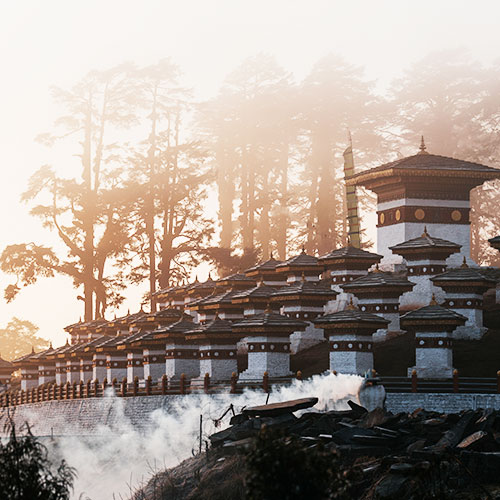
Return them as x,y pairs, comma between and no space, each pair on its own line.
124,388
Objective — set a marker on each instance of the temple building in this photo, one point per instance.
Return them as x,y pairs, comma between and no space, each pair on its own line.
423,190
338,311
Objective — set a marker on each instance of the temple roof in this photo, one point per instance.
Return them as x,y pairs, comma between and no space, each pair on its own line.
5,364
351,315
268,265
175,329
350,252
426,242
304,287
269,319
235,277
205,285
215,326
432,313
96,342
300,260
259,291
465,274
379,278
424,162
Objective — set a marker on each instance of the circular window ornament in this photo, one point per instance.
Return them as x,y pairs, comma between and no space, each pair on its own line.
419,214
440,342
456,215
398,215
350,346
381,218
421,342
335,346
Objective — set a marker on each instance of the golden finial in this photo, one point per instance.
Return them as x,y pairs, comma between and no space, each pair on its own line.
33,349
268,309
303,278
425,233
464,264
351,306
377,269
433,301
272,254
50,345
422,147
303,249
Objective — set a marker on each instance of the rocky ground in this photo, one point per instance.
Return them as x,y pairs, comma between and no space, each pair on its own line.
380,455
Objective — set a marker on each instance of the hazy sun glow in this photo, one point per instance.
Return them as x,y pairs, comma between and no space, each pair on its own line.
57,42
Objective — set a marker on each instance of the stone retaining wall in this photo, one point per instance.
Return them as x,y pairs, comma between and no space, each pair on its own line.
448,403
85,417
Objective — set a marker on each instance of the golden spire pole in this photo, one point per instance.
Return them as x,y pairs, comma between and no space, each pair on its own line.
351,198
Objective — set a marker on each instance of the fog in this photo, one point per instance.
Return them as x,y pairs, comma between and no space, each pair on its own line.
58,43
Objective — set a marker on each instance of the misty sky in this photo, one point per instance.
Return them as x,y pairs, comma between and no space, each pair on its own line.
57,42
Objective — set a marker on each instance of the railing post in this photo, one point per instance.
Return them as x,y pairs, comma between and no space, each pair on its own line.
80,389
73,390
124,387
87,389
67,395
96,387
148,385
455,380
164,380
135,385
114,383
265,382
414,381
104,385
299,375
206,383
234,379
182,385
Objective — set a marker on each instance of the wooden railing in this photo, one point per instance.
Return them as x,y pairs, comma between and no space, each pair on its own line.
165,386
456,384
124,388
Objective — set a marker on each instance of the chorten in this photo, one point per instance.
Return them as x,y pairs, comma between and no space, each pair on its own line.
423,190
425,257
350,341
464,287
265,273
300,265
378,293
432,326
268,337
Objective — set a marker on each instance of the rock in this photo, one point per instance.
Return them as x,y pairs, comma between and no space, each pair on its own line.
472,439
275,409
392,487
402,468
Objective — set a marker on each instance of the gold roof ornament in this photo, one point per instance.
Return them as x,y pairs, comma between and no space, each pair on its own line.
377,269
425,233
351,306
422,147
433,301
464,264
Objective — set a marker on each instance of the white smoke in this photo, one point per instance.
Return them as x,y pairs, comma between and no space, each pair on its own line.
118,459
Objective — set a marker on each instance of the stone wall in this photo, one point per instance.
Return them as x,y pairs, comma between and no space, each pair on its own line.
84,417
448,403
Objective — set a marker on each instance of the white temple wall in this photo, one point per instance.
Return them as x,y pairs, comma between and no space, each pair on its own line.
351,362
276,364
86,371
421,294
305,339
99,366
116,367
155,368
135,367
29,378
218,369
46,374
433,362
73,370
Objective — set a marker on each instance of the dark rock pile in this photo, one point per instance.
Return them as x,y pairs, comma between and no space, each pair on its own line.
419,455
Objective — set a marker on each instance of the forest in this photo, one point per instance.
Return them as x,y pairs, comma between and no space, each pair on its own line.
158,181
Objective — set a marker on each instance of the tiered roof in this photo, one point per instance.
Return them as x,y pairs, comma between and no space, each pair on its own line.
426,244
379,281
216,331
269,322
432,316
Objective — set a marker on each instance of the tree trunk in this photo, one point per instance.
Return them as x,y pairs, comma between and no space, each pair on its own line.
282,222
88,217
